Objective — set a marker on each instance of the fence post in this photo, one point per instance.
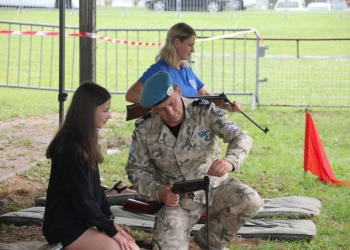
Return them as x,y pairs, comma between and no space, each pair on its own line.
87,23
62,96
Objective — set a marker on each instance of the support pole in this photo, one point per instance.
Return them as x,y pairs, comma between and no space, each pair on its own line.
206,185
87,23
62,96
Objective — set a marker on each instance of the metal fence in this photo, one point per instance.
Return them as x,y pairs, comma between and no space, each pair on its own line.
227,60
305,81
31,59
212,6
178,6
30,53
231,74
133,60
37,4
302,79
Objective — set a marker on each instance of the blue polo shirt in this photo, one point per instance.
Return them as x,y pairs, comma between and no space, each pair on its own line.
184,77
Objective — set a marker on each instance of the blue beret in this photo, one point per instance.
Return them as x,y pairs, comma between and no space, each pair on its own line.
157,89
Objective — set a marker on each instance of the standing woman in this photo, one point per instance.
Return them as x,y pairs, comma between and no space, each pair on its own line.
173,58
77,213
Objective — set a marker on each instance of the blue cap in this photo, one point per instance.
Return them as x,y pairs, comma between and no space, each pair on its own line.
157,89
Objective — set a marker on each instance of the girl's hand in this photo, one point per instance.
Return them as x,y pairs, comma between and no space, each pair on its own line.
123,233
123,242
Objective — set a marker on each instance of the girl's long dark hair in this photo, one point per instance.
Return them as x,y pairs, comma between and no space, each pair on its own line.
79,124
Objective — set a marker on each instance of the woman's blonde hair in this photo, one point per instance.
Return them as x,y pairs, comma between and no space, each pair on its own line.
181,31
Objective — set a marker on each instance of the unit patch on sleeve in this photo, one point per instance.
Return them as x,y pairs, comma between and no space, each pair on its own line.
201,133
202,102
142,119
217,111
232,128
132,148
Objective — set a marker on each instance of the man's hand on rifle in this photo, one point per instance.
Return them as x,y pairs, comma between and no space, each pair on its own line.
168,197
237,107
220,167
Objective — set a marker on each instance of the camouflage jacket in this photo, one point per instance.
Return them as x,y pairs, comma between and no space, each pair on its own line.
157,158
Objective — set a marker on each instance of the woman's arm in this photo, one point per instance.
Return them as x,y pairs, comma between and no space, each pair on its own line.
134,92
203,92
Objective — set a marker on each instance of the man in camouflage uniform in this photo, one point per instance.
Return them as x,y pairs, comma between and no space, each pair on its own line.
178,141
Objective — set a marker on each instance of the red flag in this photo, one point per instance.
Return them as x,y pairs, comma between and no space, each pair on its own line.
315,158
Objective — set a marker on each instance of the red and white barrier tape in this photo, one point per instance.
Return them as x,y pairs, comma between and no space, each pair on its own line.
81,34
231,35
95,36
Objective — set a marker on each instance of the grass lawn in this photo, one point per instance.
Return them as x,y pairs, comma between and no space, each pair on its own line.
275,165
269,23
33,60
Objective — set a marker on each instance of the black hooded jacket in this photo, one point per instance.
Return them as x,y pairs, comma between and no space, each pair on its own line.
75,199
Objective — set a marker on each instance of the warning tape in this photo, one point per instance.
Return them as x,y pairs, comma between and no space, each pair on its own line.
125,42
81,34
32,33
231,35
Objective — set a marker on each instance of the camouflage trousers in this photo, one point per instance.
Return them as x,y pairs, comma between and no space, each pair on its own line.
231,205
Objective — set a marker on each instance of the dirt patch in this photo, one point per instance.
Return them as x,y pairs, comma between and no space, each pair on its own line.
21,191
23,142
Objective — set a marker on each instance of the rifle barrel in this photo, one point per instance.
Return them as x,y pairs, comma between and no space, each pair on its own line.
225,99
250,119
135,110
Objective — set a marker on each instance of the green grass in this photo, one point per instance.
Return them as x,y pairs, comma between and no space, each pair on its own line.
118,66
5,228
23,102
275,164
269,23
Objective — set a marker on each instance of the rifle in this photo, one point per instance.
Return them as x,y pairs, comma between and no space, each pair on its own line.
180,188
153,207
135,110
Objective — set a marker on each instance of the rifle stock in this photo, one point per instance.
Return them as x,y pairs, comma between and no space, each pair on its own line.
140,207
135,110
153,207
